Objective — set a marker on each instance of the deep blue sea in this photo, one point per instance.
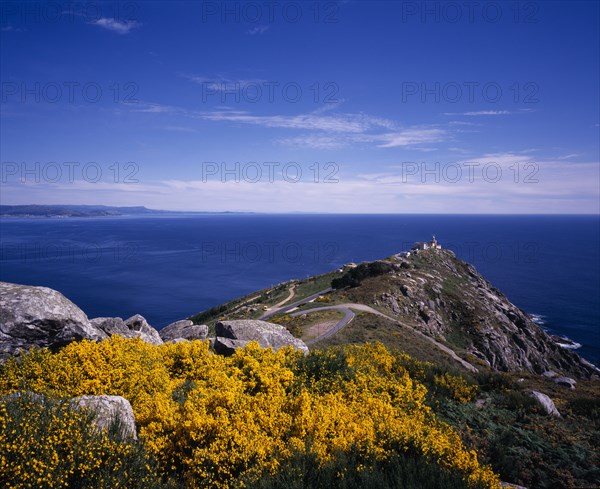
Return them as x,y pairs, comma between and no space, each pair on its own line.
171,266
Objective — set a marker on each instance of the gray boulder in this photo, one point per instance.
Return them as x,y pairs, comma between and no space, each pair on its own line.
227,346
134,327
111,326
566,382
550,374
266,334
39,316
546,403
139,327
184,330
109,410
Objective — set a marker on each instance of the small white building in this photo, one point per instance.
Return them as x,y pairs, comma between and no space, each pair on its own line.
422,245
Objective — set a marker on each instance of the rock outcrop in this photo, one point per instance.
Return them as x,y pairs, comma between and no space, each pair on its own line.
227,346
39,316
111,326
546,403
184,330
134,327
566,382
110,410
238,333
449,300
139,327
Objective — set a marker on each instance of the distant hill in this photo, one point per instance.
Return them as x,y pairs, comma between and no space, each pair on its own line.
78,211
70,210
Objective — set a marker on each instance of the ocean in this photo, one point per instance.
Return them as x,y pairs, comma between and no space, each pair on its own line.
170,266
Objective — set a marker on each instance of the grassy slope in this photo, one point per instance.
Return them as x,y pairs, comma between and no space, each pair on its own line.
366,327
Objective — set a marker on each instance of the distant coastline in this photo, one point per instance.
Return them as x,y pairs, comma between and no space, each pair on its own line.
70,211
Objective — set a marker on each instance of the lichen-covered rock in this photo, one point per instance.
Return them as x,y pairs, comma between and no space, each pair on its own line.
39,316
550,374
566,382
134,327
184,330
140,327
265,333
546,403
110,410
111,326
227,346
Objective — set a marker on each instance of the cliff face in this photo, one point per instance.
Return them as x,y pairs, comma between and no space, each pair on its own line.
449,300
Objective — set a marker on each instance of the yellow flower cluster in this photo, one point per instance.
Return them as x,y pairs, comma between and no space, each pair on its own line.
47,444
214,419
458,388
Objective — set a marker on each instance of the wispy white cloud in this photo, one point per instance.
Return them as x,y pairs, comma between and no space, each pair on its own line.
180,129
480,112
316,142
561,187
260,29
329,130
457,149
346,123
114,25
412,137
152,108
461,123
221,83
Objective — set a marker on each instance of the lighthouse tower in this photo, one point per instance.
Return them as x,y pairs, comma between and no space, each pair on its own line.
434,244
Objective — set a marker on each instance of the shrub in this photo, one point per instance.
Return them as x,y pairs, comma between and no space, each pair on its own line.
220,422
45,443
459,389
350,470
586,406
354,276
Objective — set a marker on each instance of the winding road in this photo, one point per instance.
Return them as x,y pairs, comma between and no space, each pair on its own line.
293,305
349,315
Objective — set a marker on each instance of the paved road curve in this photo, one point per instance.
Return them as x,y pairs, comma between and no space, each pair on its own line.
293,305
349,315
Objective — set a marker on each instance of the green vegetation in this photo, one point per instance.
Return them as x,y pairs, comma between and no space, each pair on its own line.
355,276
315,284
511,432
406,471
367,327
307,327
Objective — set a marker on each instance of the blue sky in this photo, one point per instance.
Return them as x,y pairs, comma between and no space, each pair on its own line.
348,106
